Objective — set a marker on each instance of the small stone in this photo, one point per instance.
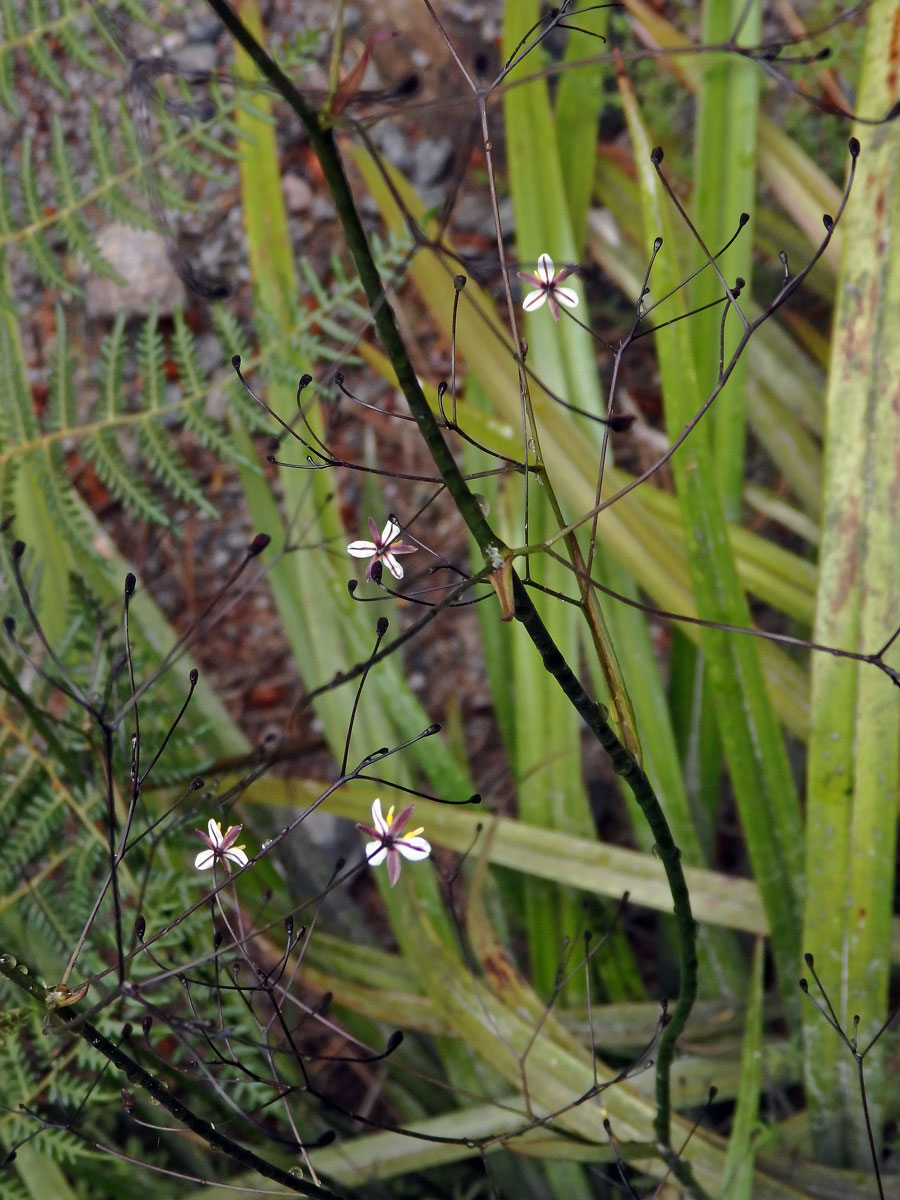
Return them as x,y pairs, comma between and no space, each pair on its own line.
197,56
298,195
430,159
203,28
394,145
140,257
322,208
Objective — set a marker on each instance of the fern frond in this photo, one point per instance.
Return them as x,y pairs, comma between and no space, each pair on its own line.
137,10
202,131
111,357
64,1147
167,465
47,923
217,146
104,453
233,339
9,469
6,217
196,391
39,53
158,449
36,490
51,215
12,39
60,401
18,422
70,29
7,75
81,883
184,160
12,1188
173,197
150,362
36,245
28,31
31,828
244,101
75,228
110,193
103,183
22,778
107,440
232,334
102,446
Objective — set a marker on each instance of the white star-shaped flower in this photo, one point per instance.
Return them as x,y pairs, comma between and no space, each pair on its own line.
221,847
390,843
547,288
382,548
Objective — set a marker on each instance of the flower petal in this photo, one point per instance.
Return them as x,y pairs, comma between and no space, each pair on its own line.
377,818
362,549
215,831
413,848
390,531
394,865
392,565
545,268
566,296
236,855
373,529
205,860
376,853
401,818
534,300
232,833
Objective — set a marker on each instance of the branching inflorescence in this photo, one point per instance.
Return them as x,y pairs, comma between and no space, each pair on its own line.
223,968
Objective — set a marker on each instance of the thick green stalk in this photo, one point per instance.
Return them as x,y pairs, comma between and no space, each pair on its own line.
496,554
854,763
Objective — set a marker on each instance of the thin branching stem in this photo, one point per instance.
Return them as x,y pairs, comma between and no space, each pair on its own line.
496,556
157,1090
